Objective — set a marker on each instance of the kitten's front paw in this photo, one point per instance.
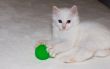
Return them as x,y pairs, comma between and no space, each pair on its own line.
67,59
50,48
53,52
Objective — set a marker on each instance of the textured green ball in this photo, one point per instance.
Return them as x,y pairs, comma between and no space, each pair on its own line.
41,52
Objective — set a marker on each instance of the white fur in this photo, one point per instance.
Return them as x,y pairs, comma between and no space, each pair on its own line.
81,41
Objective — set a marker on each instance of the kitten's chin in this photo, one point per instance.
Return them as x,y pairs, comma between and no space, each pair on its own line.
63,30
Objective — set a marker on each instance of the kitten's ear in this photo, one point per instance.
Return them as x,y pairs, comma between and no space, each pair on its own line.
55,9
74,10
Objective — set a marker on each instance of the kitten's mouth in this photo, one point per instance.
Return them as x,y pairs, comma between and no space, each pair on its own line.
63,29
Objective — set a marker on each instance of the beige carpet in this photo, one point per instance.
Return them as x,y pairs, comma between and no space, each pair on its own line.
23,22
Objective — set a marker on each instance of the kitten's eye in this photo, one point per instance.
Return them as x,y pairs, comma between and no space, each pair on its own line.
68,21
60,21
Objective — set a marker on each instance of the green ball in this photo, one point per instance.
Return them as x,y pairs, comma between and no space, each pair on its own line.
41,52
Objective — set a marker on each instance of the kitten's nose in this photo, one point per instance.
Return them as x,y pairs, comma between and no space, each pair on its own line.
64,27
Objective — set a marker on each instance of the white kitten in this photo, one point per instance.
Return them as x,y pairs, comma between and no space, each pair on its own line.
74,42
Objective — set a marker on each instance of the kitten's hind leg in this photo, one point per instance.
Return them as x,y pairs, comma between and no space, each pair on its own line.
73,56
102,53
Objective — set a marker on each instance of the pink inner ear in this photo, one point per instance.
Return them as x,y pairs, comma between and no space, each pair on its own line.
74,9
55,9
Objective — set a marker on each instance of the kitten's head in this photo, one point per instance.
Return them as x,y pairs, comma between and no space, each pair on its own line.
65,18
